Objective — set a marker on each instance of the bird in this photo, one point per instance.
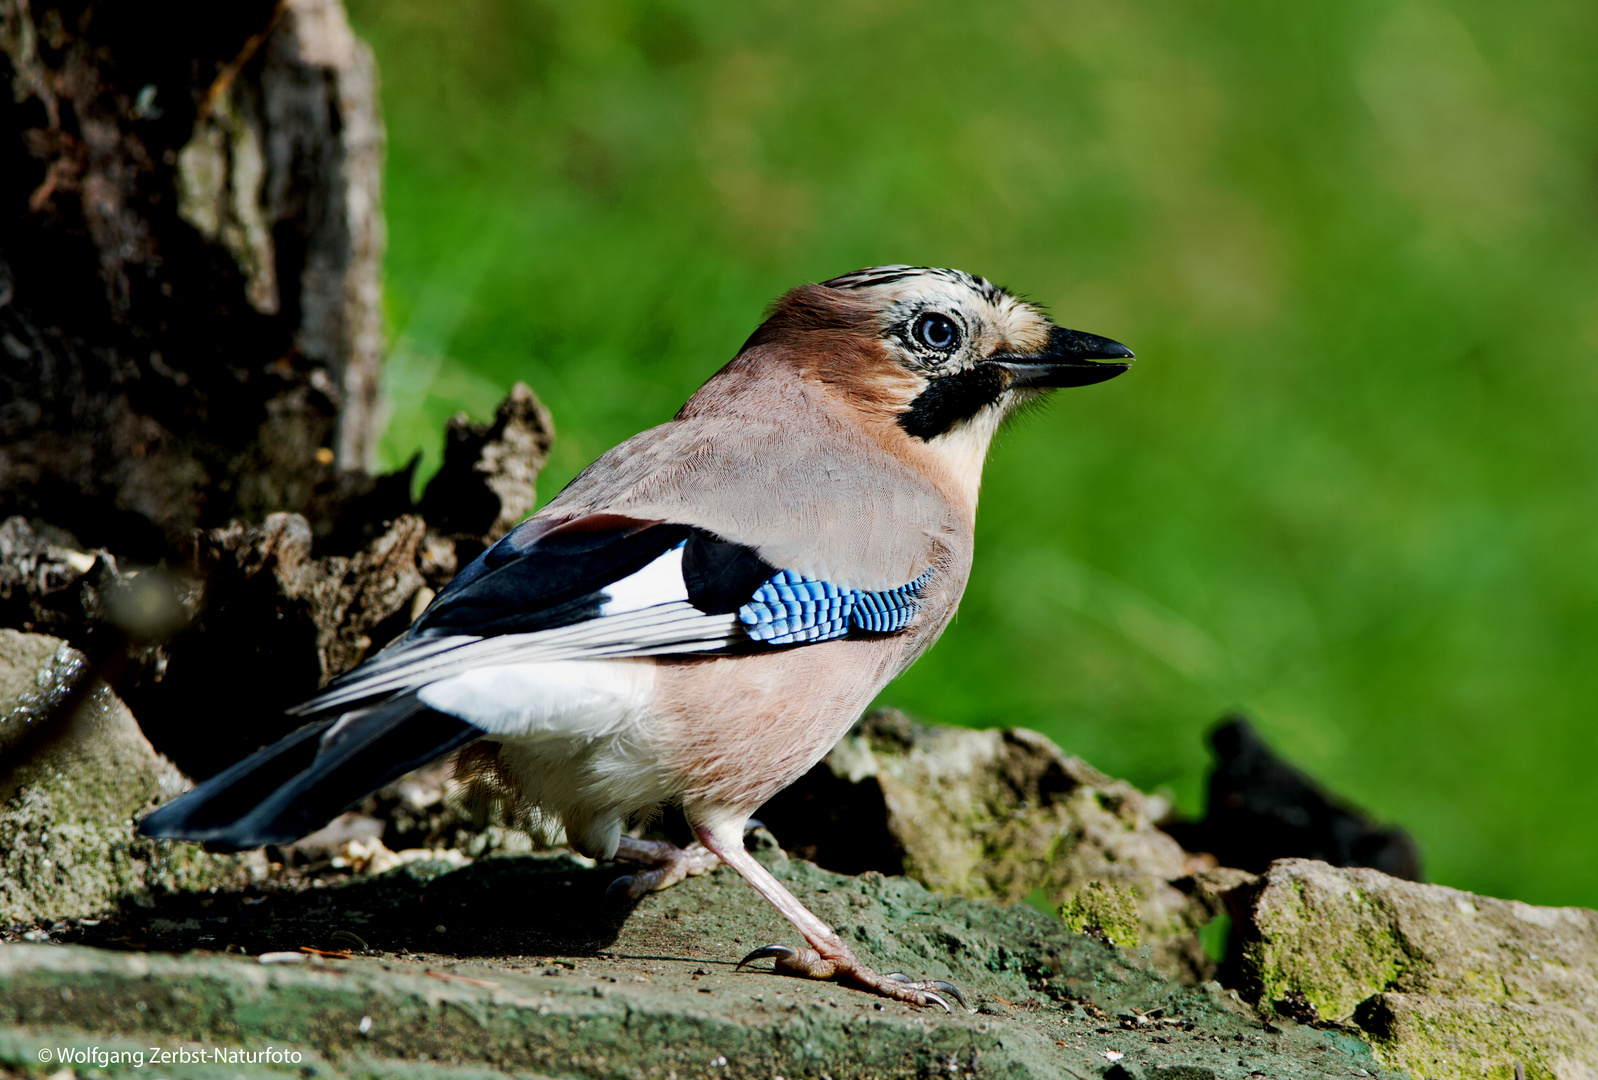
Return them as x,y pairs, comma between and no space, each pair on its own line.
703,612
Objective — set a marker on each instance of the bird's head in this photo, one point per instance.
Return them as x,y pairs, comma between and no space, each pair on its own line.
932,359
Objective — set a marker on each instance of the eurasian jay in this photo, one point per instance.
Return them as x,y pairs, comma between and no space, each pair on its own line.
704,611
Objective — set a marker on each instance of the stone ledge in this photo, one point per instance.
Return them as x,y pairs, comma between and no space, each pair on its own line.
577,991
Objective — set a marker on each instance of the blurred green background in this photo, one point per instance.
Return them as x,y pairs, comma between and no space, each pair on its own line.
1349,485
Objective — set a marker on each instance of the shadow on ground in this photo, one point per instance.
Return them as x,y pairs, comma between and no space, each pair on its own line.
492,908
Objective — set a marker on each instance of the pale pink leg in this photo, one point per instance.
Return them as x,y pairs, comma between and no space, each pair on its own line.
828,956
668,864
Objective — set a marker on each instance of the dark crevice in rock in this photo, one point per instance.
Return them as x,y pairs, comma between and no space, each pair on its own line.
835,823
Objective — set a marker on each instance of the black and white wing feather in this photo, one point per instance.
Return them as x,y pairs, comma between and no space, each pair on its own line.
605,587
597,588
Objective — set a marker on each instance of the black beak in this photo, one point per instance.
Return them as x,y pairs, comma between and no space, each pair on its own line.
1071,358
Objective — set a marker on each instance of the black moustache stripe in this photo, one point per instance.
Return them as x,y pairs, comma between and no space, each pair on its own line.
949,399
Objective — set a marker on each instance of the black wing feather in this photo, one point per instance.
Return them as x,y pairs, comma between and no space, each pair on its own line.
303,781
721,575
556,581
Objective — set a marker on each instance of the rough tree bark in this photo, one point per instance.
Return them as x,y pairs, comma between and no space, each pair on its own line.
190,338
190,237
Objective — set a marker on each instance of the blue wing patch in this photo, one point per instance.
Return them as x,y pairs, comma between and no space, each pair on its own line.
789,608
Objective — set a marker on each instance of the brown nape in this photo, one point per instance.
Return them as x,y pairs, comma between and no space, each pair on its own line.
811,308
822,335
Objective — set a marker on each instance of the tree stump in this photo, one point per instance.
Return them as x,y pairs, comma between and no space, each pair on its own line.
190,243
190,341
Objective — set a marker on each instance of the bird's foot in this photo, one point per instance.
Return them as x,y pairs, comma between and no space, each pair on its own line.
667,865
810,964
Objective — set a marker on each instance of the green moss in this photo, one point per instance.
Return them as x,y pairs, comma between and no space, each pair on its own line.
1441,982
1111,909
59,869
1335,950
1428,1037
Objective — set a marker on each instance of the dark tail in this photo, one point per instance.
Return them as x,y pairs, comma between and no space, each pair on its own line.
303,781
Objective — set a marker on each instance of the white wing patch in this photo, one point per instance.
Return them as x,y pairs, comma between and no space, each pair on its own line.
562,698
660,582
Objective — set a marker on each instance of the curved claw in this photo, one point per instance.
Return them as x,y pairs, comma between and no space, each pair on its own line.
936,1000
780,952
619,892
932,984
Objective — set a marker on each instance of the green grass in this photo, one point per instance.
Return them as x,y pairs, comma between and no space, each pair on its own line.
1350,484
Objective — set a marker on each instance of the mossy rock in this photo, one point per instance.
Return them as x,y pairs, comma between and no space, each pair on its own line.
514,965
75,773
1444,983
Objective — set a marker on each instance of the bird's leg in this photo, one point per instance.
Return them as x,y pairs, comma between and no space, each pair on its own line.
668,864
828,956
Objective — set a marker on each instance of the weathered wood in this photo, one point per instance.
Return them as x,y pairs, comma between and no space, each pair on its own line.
190,338
190,238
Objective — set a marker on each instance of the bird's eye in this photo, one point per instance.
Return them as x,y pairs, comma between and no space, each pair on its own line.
936,332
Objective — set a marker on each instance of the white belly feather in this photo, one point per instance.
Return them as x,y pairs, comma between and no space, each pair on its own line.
577,738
